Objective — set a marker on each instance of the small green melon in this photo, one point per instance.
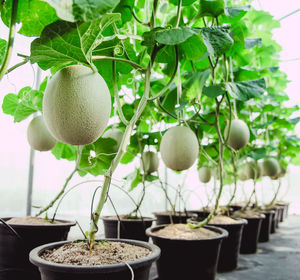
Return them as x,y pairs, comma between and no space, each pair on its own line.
149,162
115,134
239,134
204,174
76,105
271,167
38,136
179,148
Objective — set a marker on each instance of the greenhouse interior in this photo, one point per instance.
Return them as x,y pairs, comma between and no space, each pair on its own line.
149,140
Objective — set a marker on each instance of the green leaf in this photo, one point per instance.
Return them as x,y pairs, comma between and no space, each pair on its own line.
97,157
294,121
184,2
21,106
217,40
235,11
82,10
124,8
2,49
63,43
10,104
193,48
64,151
173,36
33,14
246,90
109,19
252,42
214,90
258,153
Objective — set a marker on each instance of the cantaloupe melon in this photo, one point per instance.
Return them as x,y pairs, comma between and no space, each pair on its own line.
204,174
179,148
149,162
271,167
239,134
76,105
38,135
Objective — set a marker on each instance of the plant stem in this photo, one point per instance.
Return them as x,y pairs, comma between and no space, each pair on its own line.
11,37
121,151
276,194
17,65
234,177
116,95
178,16
154,9
133,64
79,153
221,170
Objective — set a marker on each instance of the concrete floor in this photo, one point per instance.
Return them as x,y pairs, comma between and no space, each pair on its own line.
278,259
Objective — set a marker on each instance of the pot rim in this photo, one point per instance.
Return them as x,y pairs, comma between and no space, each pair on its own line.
112,218
163,213
64,223
223,234
35,258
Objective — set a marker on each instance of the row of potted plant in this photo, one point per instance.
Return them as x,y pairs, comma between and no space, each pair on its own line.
204,86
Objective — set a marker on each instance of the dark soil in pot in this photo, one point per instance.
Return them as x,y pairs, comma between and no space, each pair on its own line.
187,258
230,248
110,260
14,251
251,231
129,228
168,217
265,230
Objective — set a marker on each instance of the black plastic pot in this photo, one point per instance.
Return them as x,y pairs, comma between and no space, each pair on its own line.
281,212
201,214
274,219
230,248
250,235
129,228
265,230
14,251
163,218
279,216
188,259
54,271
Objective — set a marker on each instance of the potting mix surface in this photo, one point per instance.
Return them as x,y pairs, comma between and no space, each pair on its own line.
183,231
104,253
30,221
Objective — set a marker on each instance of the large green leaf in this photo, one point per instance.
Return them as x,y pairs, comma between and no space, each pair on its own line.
193,48
172,36
82,10
64,151
63,43
97,157
213,91
124,8
22,105
217,40
246,90
34,15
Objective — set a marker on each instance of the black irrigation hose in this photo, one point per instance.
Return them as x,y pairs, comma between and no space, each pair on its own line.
11,229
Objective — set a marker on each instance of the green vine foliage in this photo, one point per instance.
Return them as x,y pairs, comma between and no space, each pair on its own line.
77,32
